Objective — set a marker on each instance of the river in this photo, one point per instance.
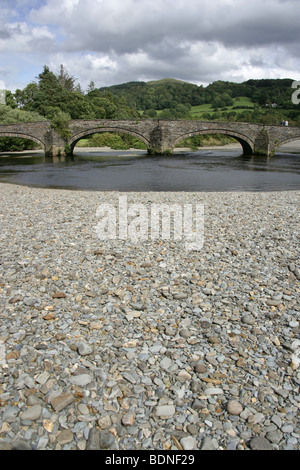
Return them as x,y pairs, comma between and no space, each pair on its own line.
207,169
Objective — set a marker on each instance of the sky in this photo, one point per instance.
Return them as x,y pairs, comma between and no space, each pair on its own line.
116,41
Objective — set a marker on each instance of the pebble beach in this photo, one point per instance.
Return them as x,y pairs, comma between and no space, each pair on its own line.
145,345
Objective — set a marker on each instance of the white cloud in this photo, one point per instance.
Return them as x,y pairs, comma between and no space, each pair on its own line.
20,37
87,67
112,41
117,24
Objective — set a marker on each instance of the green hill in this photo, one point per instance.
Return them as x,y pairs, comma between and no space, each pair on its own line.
265,100
166,81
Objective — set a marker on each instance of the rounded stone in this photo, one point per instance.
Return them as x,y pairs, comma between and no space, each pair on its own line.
107,440
32,413
185,333
21,444
234,407
260,443
188,443
65,437
164,411
248,319
84,349
200,369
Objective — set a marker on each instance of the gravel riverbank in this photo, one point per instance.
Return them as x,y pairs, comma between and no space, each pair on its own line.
120,345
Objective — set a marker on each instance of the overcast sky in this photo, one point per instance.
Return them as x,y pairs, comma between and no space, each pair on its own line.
116,41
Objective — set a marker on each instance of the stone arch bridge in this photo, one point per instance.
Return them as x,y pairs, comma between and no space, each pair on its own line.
160,136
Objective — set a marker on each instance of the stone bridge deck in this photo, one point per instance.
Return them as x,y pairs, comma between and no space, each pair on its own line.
160,136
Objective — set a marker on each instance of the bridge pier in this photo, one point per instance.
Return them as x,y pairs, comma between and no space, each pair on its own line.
262,144
55,151
54,144
160,141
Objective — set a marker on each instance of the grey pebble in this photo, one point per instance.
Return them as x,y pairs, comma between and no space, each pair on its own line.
20,444
101,440
260,443
84,349
188,443
32,413
209,443
274,436
164,411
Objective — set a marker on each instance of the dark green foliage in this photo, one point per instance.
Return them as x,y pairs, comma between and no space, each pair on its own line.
158,95
60,122
206,140
115,141
53,93
270,96
15,144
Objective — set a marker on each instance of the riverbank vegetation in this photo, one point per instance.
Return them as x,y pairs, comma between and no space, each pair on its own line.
9,115
58,98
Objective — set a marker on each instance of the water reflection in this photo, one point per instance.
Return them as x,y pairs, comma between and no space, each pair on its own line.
204,170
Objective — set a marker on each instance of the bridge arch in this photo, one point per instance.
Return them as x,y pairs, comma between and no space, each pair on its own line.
246,142
23,136
286,141
81,135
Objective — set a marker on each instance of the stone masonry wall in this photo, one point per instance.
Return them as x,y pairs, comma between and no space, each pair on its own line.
160,136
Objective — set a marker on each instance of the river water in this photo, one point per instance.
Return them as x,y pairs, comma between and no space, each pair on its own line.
214,169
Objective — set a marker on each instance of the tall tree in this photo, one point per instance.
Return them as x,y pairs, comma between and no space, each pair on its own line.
66,81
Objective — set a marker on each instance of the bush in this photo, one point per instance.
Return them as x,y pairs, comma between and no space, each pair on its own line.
60,123
115,141
16,144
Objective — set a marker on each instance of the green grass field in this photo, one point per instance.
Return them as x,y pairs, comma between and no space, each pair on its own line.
243,102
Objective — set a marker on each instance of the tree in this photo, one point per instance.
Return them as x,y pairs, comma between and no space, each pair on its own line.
10,99
65,80
226,99
25,98
151,113
49,92
91,87
166,114
60,122
217,102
